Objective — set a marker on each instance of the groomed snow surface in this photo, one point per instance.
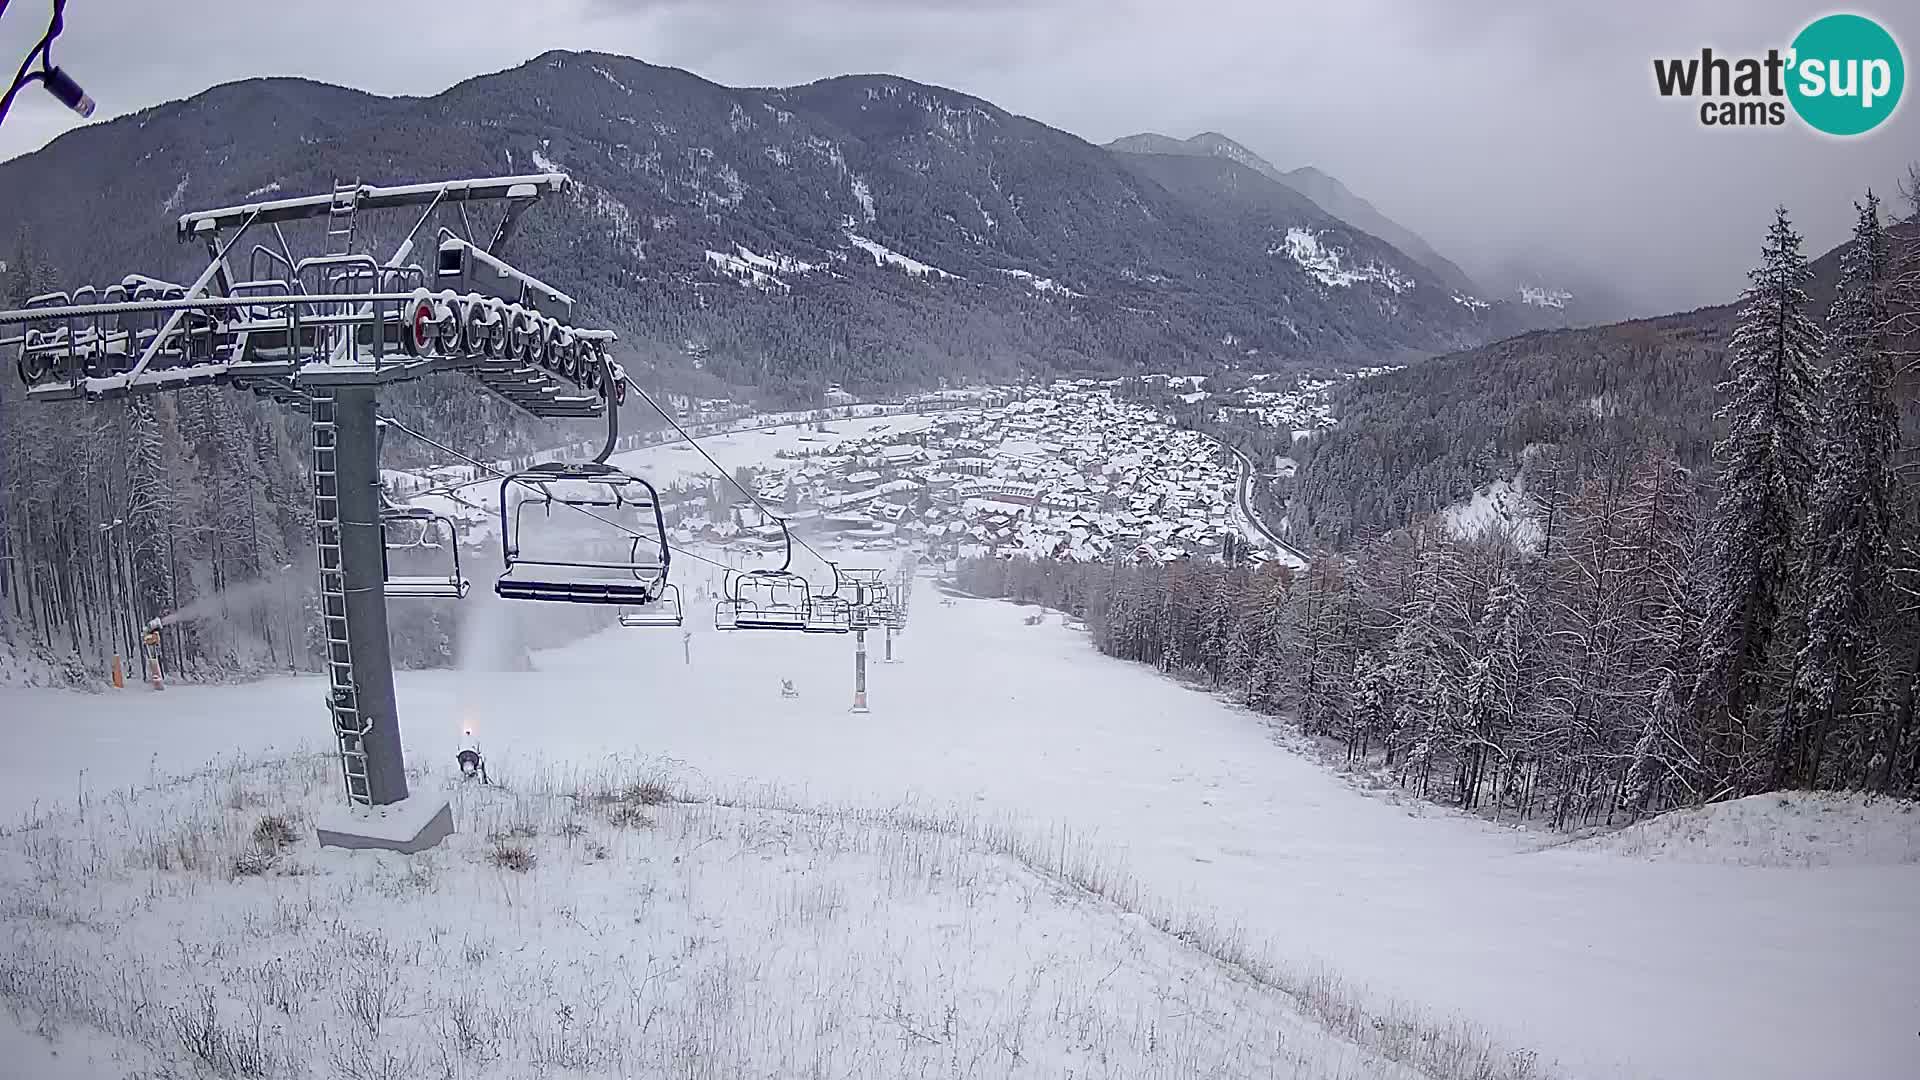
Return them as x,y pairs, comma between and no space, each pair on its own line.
921,906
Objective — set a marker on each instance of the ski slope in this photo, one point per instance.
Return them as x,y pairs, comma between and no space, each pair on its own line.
1615,965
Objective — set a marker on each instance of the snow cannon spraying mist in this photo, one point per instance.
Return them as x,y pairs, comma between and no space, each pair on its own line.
245,596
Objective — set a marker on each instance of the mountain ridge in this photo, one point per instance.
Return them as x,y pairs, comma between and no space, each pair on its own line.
1326,191
867,230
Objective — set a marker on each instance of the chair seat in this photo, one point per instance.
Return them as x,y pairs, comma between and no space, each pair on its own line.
770,618
575,592
433,588
665,611
663,617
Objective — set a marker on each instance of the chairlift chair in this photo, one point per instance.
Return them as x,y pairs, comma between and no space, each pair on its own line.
417,529
764,600
828,612
600,495
665,611
604,493
828,615
866,595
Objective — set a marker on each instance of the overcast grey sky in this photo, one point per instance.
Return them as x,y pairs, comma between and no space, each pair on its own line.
1487,126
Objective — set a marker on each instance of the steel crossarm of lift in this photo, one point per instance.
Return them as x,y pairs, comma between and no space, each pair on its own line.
368,197
292,325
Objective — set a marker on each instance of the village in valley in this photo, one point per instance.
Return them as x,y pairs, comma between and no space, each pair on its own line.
1072,470
1078,469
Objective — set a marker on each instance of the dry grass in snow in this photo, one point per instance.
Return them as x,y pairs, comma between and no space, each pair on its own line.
597,924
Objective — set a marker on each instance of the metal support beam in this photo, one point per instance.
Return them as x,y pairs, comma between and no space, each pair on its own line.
369,197
889,655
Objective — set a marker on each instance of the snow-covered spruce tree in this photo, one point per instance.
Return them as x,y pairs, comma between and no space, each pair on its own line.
1493,692
1373,705
1664,763
1838,693
1764,465
1902,629
1423,683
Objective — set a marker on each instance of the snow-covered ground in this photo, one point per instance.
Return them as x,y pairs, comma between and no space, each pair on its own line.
885,256
19,666
1786,828
585,924
1501,505
1616,965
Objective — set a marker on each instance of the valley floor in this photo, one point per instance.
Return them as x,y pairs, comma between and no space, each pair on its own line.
1611,963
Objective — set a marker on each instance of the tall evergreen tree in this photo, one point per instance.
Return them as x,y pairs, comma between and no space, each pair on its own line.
1764,465
1849,522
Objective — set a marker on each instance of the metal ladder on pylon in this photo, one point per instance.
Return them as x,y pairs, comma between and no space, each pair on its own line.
350,727
341,214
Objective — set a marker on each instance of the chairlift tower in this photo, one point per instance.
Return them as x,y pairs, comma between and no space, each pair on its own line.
895,615
869,605
322,334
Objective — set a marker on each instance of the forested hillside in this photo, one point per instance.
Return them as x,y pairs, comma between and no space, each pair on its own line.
1566,404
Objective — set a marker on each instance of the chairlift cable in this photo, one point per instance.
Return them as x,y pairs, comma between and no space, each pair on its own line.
718,468
477,463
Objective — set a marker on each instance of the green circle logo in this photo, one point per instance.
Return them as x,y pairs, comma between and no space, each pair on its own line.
1846,74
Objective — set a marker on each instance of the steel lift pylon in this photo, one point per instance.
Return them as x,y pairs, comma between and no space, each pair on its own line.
322,334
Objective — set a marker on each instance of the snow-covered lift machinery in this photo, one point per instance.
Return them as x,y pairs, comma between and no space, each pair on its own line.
321,334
